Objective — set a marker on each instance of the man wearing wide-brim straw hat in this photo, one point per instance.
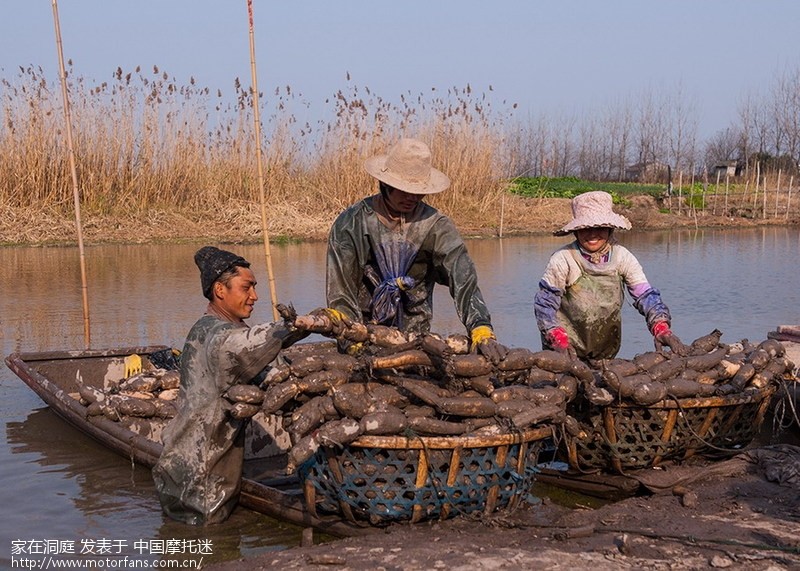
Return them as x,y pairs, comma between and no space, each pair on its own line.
388,251
579,302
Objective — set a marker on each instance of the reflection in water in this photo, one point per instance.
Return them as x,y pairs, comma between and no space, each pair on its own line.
57,483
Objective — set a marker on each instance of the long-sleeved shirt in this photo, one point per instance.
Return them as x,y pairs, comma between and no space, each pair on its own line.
564,270
359,244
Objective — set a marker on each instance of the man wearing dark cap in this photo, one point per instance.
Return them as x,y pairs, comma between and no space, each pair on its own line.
198,475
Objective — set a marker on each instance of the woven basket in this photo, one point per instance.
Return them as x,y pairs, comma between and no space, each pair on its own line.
381,480
625,436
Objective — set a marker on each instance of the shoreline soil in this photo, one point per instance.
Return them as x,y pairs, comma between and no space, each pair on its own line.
241,223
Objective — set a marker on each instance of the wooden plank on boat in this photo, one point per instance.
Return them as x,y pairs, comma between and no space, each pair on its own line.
789,330
783,337
786,333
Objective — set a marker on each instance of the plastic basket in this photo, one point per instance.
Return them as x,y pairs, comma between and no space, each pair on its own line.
625,436
379,480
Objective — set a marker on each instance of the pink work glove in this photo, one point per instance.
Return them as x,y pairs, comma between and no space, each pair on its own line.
663,335
559,340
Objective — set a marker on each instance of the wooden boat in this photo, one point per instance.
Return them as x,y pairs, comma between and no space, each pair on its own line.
789,336
54,376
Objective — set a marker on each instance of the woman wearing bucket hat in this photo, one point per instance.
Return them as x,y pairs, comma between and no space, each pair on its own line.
579,302
386,253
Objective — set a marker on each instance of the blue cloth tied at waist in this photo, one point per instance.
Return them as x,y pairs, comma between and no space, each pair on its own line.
388,298
394,255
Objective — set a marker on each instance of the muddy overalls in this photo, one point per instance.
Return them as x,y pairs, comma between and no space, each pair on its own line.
591,307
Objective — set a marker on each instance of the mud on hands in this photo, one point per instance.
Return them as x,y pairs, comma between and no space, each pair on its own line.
331,323
663,335
485,342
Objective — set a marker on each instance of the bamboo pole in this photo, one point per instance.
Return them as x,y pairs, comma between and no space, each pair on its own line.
716,193
777,192
755,192
257,121
669,187
680,191
702,200
789,197
74,172
727,187
502,212
703,204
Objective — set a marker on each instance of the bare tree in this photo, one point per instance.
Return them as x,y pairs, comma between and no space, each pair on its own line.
603,143
682,131
660,127
786,109
650,127
533,144
563,154
590,149
725,145
619,131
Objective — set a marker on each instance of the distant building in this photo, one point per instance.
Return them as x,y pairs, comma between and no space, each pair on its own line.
648,171
726,169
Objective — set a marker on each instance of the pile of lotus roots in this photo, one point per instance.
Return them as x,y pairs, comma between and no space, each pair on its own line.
151,395
432,385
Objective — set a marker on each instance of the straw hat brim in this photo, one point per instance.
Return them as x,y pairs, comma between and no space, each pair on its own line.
437,181
606,220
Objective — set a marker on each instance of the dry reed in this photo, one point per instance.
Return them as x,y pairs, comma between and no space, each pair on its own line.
146,144
161,160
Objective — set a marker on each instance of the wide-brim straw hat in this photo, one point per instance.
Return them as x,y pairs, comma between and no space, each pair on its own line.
593,210
407,167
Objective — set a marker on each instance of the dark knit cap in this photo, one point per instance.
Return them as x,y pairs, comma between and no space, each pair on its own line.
214,262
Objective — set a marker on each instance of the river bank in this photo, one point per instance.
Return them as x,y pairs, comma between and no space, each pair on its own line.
240,223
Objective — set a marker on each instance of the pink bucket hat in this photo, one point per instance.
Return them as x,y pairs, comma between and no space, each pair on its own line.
593,210
407,167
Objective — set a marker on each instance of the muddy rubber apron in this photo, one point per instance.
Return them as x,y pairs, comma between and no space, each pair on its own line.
591,310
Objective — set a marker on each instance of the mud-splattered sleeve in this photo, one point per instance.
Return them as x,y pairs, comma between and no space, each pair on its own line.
547,300
455,268
646,299
246,351
344,270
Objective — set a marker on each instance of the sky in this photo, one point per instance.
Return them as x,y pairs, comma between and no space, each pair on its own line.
551,58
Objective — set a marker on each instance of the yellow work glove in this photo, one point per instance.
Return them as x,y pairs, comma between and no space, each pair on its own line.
354,349
481,334
339,321
334,314
485,342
